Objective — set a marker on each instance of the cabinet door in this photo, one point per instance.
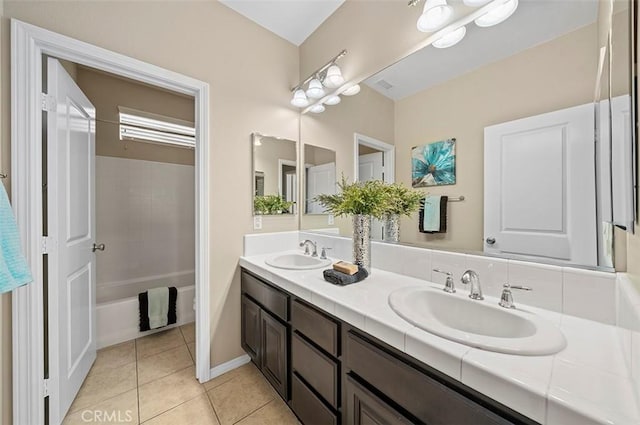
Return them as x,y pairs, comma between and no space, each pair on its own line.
274,353
251,329
364,408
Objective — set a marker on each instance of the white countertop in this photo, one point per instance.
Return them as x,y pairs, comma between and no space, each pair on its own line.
589,382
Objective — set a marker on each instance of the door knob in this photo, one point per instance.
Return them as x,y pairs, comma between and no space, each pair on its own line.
490,241
97,247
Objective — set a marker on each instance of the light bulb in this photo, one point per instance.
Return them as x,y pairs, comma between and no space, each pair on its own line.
332,100
450,39
316,109
475,3
315,90
497,15
435,14
353,90
300,99
334,78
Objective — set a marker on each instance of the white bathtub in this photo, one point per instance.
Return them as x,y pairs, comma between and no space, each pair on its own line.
117,313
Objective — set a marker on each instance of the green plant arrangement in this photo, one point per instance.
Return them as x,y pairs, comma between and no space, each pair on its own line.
401,200
271,204
359,198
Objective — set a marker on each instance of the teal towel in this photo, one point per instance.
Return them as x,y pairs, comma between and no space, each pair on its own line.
14,270
158,307
431,220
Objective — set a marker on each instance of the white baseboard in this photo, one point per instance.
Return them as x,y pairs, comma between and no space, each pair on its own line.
227,366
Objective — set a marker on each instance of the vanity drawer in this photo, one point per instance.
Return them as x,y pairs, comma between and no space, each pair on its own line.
269,297
426,398
308,407
317,369
319,328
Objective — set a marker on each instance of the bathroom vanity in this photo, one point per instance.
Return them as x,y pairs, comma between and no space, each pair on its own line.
331,372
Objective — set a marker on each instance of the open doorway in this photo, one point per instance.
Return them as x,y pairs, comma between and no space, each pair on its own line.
374,160
38,378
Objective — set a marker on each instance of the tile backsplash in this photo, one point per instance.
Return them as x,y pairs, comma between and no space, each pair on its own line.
587,294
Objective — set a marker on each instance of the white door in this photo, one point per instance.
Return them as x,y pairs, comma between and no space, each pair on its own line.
371,167
71,225
539,187
321,179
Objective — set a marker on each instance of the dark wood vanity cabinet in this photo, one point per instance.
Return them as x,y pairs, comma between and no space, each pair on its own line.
332,373
265,331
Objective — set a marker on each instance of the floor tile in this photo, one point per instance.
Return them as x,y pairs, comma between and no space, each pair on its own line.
104,385
245,370
162,364
113,357
189,332
240,396
166,393
192,350
197,411
275,412
121,409
159,342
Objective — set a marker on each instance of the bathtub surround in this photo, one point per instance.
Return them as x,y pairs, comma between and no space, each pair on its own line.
145,215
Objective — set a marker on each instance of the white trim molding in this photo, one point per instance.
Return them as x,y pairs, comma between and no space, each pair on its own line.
28,45
389,159
230,365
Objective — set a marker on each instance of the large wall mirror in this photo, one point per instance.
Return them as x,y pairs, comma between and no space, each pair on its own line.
319,176
514,106
275,175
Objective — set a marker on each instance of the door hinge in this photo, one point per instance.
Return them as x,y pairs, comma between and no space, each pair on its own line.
48,102
45,245
45,387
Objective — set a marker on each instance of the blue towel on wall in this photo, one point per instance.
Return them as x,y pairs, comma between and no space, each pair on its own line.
14,271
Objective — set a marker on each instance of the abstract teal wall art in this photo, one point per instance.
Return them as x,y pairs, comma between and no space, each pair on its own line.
434,164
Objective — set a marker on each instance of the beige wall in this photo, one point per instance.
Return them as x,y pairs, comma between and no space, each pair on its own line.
210,42
552,76
108,92
368,113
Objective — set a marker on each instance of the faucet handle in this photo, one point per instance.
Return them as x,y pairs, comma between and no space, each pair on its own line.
448,283
323,253
306,247
506,299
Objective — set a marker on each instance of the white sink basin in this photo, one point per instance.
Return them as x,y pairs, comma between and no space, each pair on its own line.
297,262
477,324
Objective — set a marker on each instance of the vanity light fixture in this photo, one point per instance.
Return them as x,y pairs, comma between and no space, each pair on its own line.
332,100
317,109
497,15
352,90
451,38
315,90
300,99
435,14
324,87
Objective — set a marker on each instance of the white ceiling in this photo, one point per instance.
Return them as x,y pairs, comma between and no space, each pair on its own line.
533,23
293,20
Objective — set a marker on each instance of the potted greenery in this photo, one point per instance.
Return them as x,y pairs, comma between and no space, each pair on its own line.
362,200
399,201
271,204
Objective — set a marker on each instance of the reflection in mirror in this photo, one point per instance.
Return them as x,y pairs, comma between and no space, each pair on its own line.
518,98
275,180
320,176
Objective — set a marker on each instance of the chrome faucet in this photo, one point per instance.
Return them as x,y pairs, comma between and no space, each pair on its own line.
506,300
305,243
448,284
471,277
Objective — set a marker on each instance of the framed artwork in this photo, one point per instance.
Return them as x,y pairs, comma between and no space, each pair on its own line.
434,164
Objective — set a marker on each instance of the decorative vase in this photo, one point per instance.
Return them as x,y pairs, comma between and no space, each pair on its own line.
392,228
362,241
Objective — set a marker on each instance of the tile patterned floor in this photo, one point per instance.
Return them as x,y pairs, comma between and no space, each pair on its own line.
152,381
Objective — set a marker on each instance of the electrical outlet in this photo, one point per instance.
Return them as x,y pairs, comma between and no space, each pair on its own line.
257,222
330,219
